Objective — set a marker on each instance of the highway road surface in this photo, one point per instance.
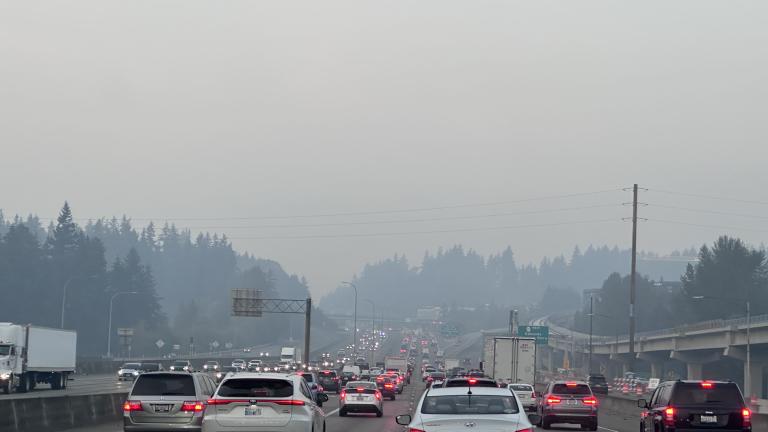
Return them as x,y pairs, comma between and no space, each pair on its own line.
78,386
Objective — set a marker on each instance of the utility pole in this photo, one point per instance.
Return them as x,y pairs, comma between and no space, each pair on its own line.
632,283
591,315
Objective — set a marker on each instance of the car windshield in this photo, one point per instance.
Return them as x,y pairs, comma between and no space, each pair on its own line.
308,377
469,404
5,350
180,363
721,394
149,367
255,387
131,366
211,363
327,374
521,387
571,389
164,385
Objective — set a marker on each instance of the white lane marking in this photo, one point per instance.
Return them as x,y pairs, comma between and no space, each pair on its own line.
605,428
337,410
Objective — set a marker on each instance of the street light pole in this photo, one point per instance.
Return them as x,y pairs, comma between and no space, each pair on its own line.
354,332
109,330
591,315
64,299
373,330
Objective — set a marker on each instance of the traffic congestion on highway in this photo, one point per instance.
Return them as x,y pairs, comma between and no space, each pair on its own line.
399,379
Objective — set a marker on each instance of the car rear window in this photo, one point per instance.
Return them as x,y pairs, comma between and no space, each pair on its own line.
465,383
725,394
255,387
577,389
597,379
308,377
465,404
131,366
164,385
149,367
327,374
361,384
520,387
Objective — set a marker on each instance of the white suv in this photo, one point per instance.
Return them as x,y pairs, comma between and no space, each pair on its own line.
488,408
264,401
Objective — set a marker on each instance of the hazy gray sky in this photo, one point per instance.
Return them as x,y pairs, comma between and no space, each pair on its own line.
224,109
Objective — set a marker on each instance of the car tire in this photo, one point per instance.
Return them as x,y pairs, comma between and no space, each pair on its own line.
592,426
545,424
392,397
342,413
379,413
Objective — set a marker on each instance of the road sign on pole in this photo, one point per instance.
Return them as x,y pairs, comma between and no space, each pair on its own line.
541,333
215,344
160,343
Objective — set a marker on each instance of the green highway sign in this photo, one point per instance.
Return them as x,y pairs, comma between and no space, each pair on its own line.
541,333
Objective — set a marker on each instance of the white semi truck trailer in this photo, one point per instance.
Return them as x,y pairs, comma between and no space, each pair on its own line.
31,355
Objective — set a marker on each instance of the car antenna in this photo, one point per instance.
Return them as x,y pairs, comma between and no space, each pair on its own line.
469,395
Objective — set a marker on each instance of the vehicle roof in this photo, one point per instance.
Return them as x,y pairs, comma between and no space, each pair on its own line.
179,373
700,381
462,391
577,382
268,375
525,384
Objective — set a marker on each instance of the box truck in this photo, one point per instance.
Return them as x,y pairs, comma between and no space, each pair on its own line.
396,363
30,355
510,359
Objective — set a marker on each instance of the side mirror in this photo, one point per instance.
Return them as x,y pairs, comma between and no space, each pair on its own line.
403,420
534,419
642,403
313,386
322,397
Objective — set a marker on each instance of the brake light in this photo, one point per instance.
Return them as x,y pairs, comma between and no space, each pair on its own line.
129,406
533,394
293,402
706,384
570,384
525,430
194,406
669,416
360,389
416,430
343,394
377,395
472,381
553,400
746,417
590,400
388,386
276,402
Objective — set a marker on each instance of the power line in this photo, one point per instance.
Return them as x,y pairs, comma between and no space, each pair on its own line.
385,234
706,225
374,212
753,216
399,221
694,195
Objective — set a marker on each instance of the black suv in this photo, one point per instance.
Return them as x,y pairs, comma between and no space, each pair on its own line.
695,405
329,380
598,384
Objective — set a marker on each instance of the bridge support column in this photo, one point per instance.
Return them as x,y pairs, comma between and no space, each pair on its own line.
756,373
656,360
695,361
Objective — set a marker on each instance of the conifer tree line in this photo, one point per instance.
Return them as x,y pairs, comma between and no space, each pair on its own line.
182,284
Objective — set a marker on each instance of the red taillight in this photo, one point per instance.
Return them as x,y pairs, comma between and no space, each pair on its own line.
377,395
343,394
746,417
706,384
570,384
360,389
388,386
415,430
669,416
525,430
472,381
276,402
590,400
192,406
533,394
293,402
553,400
129,406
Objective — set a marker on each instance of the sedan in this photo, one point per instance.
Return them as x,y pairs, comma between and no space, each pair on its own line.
360,397
481,408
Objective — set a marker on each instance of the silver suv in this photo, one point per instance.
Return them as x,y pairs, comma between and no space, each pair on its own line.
167,401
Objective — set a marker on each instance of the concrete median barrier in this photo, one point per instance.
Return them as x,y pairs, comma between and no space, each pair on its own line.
57,413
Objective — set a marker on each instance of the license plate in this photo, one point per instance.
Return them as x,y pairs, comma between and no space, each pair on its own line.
360,398
253,411
708,419
571,402
162,408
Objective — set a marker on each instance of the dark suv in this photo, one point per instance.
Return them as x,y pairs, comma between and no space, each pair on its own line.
568,402
598,384
329,380
695,405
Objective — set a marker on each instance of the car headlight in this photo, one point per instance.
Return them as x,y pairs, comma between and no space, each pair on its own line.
135,373
218,375
5,376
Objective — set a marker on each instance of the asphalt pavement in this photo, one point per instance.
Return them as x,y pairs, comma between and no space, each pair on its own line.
77,386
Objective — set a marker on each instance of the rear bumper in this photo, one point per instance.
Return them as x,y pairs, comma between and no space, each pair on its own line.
130,425
571,418
354,407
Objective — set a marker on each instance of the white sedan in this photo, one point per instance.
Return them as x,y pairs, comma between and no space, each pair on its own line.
360,397
264,402
458,408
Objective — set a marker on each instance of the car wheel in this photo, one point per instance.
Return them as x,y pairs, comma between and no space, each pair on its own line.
379,413
545,423
593,426
342,413
392,397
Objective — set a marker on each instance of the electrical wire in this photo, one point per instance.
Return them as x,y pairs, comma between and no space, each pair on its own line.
385,234
753,216
705,225
694,195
